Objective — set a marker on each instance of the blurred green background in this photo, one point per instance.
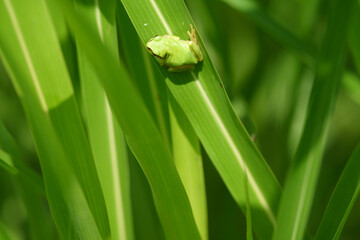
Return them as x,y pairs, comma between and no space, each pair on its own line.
268,83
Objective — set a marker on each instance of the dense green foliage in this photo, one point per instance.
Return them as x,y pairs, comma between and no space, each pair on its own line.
260,141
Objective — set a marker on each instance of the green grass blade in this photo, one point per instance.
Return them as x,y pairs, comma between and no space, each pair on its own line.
201,96
249,231
146,220
10,160
187,156
67,202
342,200
150,83
185,146
31,187
301,181
151,152
106,138
351,84
6,162
109,150
43,85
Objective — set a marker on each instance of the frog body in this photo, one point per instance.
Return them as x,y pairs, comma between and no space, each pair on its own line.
175,54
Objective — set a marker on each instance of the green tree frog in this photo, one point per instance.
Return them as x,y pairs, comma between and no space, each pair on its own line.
175,54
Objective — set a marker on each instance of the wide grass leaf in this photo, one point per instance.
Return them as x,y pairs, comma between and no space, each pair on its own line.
201,96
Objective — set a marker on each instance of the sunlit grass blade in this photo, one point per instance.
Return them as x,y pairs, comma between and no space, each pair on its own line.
142,135
201,96
301,181
187,156
41,80
249,231
106,138
342,200
67,203
109,150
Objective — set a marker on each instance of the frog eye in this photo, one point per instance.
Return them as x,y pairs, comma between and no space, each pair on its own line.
166,55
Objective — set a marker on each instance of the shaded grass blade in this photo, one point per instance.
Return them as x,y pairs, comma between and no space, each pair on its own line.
342,200
301,180
31,187
10,160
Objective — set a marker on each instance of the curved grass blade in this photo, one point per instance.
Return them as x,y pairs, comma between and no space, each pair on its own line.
141,132
201,96
342,200
301,181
